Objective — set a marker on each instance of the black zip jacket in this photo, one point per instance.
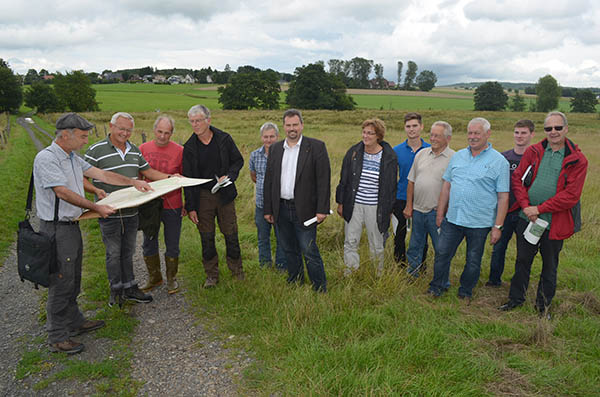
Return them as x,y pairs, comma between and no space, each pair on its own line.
231,164
345,193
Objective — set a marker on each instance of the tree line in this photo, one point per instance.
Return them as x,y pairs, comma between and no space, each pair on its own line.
491,96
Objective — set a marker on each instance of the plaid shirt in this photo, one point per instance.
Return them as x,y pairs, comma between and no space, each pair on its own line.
258,164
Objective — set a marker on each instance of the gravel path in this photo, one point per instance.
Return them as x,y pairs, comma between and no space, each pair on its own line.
174,352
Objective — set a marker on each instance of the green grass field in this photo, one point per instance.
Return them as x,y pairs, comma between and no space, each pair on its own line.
385,336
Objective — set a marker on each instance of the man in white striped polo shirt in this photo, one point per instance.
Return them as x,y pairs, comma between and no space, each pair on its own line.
119,231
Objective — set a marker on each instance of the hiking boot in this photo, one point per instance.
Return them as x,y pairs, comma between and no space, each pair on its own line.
87,326
68,346
154,275
116,298
210,282
172,265
134,294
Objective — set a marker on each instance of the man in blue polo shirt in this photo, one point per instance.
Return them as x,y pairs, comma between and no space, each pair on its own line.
406,152
475,195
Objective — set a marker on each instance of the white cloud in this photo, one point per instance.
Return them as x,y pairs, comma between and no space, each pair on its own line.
460,40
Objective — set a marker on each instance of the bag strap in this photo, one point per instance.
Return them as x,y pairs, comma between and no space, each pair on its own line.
30,199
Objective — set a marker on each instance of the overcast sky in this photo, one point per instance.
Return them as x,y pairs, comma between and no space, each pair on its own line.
460,40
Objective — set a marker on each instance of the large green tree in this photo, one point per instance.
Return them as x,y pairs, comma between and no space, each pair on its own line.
313,88
251,90
399,71
411,73
548,92
75,92
426,80
31,77
379,79
360,69
11,90
584,101
490,96
43,98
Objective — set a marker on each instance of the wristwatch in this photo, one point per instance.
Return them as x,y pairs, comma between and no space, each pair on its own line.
499,227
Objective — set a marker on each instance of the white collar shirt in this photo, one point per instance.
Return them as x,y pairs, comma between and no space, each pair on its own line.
289,164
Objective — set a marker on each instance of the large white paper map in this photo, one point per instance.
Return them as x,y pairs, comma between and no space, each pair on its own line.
131,197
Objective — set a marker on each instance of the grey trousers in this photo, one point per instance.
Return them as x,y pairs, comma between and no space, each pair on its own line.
362,215
119,235
63,314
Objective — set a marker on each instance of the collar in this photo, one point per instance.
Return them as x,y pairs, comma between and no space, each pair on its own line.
489,146
445,152
286,146
127,144
59,151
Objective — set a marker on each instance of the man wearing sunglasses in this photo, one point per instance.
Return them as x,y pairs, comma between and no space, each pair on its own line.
547,184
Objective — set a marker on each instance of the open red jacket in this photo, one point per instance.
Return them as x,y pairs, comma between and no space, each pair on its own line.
564,205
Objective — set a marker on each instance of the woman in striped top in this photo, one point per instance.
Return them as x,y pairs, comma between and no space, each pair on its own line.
366,193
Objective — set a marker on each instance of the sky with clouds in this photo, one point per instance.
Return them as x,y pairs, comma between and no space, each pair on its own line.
460,40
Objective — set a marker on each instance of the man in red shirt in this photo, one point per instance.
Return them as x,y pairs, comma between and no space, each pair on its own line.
165,156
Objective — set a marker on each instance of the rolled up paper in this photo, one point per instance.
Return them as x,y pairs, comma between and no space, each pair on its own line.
313,220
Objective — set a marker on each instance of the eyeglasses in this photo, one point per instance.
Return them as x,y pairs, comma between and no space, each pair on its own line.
556,127
370,133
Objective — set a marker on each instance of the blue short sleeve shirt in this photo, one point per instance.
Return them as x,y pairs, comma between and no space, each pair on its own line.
474,186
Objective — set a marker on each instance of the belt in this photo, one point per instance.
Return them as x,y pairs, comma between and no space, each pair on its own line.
288,202
64,222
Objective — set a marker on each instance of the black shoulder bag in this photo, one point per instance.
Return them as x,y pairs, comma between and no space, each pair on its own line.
36,252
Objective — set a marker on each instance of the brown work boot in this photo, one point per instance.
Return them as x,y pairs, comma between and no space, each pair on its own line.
68,346
87,326
154,275
210,282
172,265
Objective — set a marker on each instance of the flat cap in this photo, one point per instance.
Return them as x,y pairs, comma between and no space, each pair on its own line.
73,120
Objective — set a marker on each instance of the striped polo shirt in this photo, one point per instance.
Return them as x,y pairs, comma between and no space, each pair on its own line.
108,157
368,185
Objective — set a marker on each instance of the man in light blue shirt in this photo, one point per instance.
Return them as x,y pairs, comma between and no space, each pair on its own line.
475,195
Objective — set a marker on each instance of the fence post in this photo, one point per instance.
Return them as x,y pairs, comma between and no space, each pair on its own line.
143,137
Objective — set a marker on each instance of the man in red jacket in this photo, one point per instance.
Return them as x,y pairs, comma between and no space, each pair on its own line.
547,184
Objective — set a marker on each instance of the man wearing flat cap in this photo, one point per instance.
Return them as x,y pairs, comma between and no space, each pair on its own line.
58,175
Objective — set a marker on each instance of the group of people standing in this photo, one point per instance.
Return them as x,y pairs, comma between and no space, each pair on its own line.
450,196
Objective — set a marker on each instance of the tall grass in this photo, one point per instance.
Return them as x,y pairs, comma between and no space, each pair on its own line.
16,163
384,336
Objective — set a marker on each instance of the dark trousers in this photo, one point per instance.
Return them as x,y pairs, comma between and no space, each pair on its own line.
209,208
297,239
499,251
400,234
549,249
62,312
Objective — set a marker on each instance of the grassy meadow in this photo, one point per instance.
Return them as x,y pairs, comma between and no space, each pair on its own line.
385,336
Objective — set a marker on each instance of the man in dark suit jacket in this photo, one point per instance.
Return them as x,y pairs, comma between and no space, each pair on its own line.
296,189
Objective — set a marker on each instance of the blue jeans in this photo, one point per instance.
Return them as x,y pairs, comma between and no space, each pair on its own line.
297,239
450,238
264,241
171,219
118,235
499,251
423,224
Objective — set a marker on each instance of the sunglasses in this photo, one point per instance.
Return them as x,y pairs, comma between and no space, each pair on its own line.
556,127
